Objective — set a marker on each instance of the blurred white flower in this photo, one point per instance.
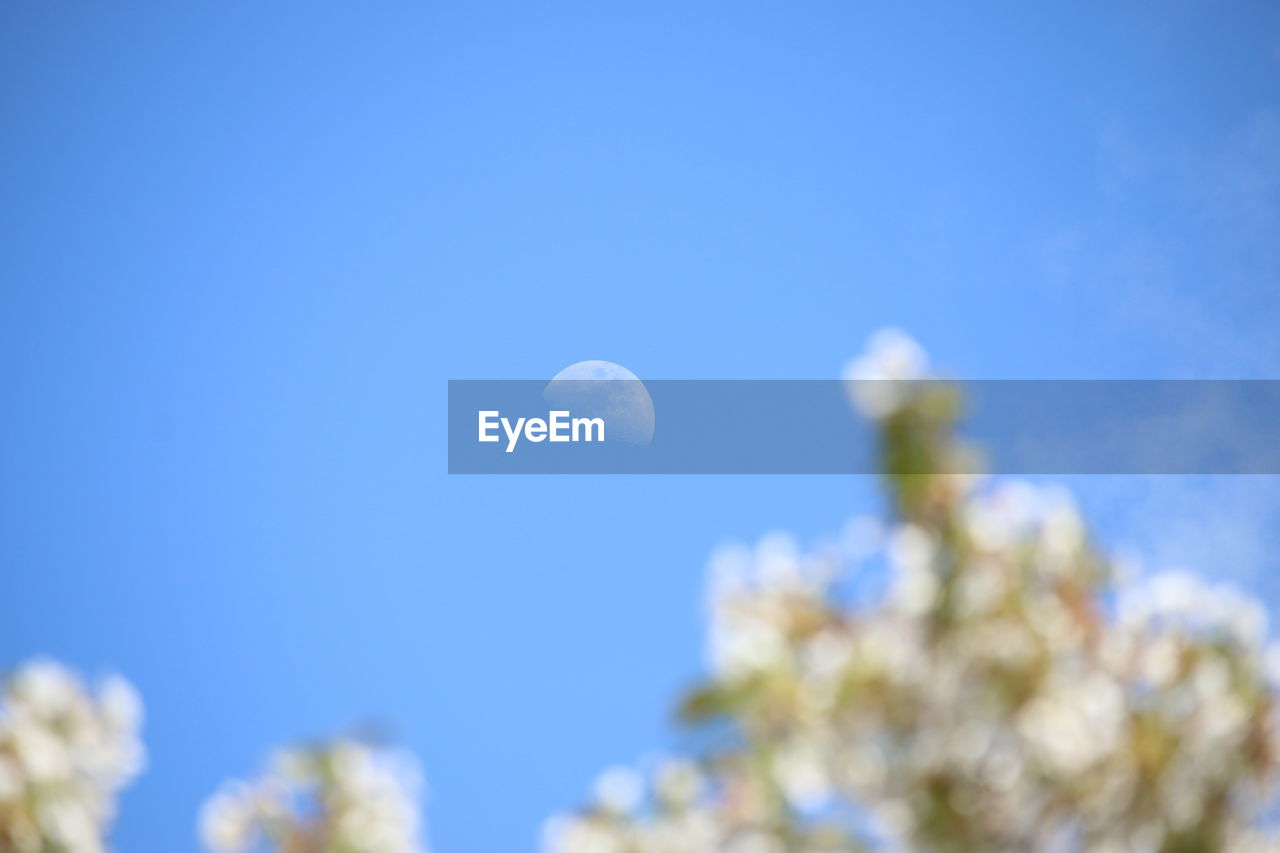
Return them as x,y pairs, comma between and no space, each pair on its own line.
64,756
678,782
228,819
801,771
880,380
344,795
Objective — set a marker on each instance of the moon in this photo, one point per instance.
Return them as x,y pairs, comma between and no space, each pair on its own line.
602,389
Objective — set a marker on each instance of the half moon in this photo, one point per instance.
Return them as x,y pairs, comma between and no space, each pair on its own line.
602,389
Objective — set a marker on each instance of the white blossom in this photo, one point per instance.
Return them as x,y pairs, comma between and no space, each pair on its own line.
65,753
879,381
1000,696
344,796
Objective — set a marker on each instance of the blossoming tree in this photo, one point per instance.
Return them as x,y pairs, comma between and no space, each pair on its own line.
1006,693
1010,690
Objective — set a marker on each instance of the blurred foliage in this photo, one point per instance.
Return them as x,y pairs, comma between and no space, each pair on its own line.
344,796
65,753
1011,690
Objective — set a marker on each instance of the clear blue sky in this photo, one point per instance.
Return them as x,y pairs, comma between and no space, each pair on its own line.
243,245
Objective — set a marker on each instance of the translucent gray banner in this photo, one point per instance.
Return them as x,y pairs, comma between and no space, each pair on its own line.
808,427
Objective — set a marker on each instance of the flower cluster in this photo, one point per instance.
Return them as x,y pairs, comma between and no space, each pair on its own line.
1009,689
64,755
344,796
1008,692
885,375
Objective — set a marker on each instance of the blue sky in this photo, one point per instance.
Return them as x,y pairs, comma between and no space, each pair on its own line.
245,245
